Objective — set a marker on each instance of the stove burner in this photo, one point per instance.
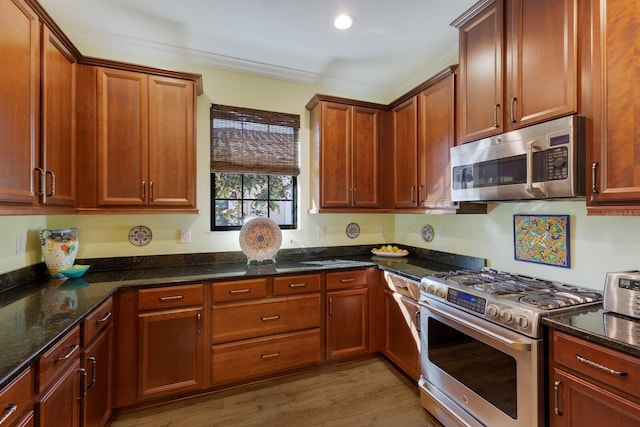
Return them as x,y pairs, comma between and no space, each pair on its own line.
544,294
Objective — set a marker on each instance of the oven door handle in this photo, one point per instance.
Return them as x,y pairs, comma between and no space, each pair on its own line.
534,191
516,345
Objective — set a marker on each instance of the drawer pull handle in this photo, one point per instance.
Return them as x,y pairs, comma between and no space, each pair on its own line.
269,356
171,298
92,361
399,286
264,319
74,348
83,383
297,285
106,317
599,366
556,400
240,291
8,411
351,279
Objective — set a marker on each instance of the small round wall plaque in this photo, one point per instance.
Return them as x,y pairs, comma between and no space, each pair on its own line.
140,235
427,233
353,230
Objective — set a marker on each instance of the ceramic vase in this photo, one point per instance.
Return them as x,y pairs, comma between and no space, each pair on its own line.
59,249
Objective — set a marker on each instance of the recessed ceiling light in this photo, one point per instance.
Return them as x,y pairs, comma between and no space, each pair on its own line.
343,21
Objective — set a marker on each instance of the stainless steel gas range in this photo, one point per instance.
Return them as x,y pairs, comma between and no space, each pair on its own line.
482,348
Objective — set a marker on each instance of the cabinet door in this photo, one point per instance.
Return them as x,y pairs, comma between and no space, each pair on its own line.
402,340
122,138
577,402
171,352
481,56
541,61
346,323
171,142
615,156
335,155
97,361
365,157
436,137
20,105
405,149
58,121
59,405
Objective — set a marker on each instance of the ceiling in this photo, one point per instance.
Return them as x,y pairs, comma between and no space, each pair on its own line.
392,46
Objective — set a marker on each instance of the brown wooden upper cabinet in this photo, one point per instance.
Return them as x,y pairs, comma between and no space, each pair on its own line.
614,158
146,152
139,143
423,133
345,161
36,114
518,65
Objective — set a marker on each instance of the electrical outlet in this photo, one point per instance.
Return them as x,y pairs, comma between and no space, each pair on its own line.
439,234
321,231
21,245
185,236
414,230
383,229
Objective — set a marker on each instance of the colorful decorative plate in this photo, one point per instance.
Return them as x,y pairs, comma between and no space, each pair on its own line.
260,239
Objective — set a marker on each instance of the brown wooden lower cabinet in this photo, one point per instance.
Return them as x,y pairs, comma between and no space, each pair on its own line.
97,363
402,339
16,399
59,405
592,386
171,350
346,323
254,357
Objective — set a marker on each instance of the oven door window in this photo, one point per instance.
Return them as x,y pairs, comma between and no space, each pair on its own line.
488,372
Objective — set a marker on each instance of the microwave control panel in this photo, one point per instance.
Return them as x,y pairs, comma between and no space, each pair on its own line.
557,163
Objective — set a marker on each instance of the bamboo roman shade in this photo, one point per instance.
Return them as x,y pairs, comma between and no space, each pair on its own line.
244,140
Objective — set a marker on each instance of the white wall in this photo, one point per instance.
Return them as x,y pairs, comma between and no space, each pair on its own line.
598,244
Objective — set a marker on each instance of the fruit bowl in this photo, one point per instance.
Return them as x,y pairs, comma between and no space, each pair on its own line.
389,251
74,271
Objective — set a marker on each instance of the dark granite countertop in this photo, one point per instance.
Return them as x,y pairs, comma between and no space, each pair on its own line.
33,316
602,327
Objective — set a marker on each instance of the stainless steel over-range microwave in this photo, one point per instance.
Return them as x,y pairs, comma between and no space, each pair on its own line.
542,161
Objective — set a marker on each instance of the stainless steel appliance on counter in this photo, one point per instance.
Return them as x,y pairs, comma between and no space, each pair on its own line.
542,161
482,348
622,305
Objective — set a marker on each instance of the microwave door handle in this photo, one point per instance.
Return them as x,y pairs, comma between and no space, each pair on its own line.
534,191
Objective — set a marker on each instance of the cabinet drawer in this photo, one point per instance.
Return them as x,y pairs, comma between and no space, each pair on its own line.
346,279
296,284
610,367
58,358
272,316
100,319
239,290
17,398
170,297
250,358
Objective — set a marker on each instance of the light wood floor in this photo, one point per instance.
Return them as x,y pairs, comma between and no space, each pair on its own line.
356,394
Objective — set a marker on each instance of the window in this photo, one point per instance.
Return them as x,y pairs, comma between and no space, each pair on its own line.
254,166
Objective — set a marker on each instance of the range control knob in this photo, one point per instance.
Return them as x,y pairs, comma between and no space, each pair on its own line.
440,293
523,322
431,289
493,311
506,316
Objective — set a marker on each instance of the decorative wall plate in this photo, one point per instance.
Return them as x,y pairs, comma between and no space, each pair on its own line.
353,230
260,239
140,235
427,233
